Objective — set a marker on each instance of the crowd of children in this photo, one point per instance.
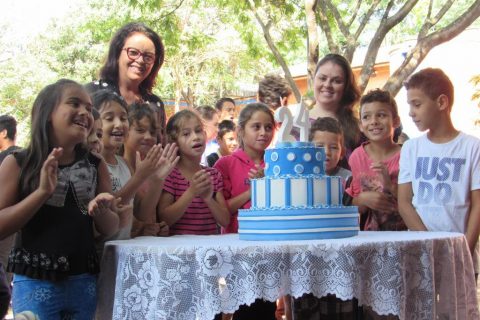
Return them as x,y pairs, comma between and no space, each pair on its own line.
98,168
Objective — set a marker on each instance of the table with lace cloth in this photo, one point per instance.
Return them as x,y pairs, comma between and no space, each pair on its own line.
414,275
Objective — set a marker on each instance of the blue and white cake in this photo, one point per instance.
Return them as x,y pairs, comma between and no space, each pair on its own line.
296,200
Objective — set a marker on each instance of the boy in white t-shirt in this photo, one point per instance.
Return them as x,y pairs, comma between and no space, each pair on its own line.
439,179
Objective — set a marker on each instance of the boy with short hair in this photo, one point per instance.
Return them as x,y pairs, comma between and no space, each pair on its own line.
227,141
439,180
226,108
326,132
375,164
8,134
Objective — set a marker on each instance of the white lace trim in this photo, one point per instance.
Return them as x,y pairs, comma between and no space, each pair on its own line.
415,275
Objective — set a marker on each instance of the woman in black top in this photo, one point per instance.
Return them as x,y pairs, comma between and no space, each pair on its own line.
135,56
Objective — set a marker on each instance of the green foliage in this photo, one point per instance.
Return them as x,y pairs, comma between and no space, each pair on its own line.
409,27
476,82
18,87
211,45
288,28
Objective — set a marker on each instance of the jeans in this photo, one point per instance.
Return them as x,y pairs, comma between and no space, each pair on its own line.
71,299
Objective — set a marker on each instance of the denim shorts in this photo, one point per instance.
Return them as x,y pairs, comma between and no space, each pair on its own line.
71,299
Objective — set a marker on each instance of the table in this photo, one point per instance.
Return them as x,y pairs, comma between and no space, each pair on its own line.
414,275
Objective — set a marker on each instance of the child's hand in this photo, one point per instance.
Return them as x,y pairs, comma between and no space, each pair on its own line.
150,229
102,202
147,166
202,184
48,173
382,171
168,160
256,173
377,201
125,215
164,229
154,229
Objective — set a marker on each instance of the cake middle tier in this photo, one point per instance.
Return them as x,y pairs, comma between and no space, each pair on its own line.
300,191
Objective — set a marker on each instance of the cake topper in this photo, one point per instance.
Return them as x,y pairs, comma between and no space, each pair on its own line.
295,115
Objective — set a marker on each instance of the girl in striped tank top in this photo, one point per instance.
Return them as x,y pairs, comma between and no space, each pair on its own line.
192,200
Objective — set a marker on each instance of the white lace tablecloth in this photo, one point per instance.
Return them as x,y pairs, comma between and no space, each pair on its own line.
415,275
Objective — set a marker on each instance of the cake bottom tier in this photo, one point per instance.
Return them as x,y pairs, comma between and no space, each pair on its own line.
298,223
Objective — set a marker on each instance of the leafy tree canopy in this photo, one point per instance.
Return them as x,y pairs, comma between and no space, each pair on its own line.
213,45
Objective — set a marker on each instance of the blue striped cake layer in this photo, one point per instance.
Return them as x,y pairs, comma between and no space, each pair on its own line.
298,224
311,235
296,190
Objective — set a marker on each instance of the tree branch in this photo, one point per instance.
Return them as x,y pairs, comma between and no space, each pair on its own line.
325,26
354,15
352,42
276,53
366,18
423,47
160,18
442,12
429,22
338,18
312,40
385,26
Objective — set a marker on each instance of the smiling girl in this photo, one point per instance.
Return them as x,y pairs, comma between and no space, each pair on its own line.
56,193
256,126
255,130
125,183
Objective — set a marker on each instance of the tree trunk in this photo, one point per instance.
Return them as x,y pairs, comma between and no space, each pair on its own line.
313,41
385,26
276,53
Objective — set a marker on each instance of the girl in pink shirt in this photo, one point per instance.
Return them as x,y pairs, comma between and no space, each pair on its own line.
375,164
192,201
255,131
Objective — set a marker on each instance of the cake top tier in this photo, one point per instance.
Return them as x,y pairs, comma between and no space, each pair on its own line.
294,159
